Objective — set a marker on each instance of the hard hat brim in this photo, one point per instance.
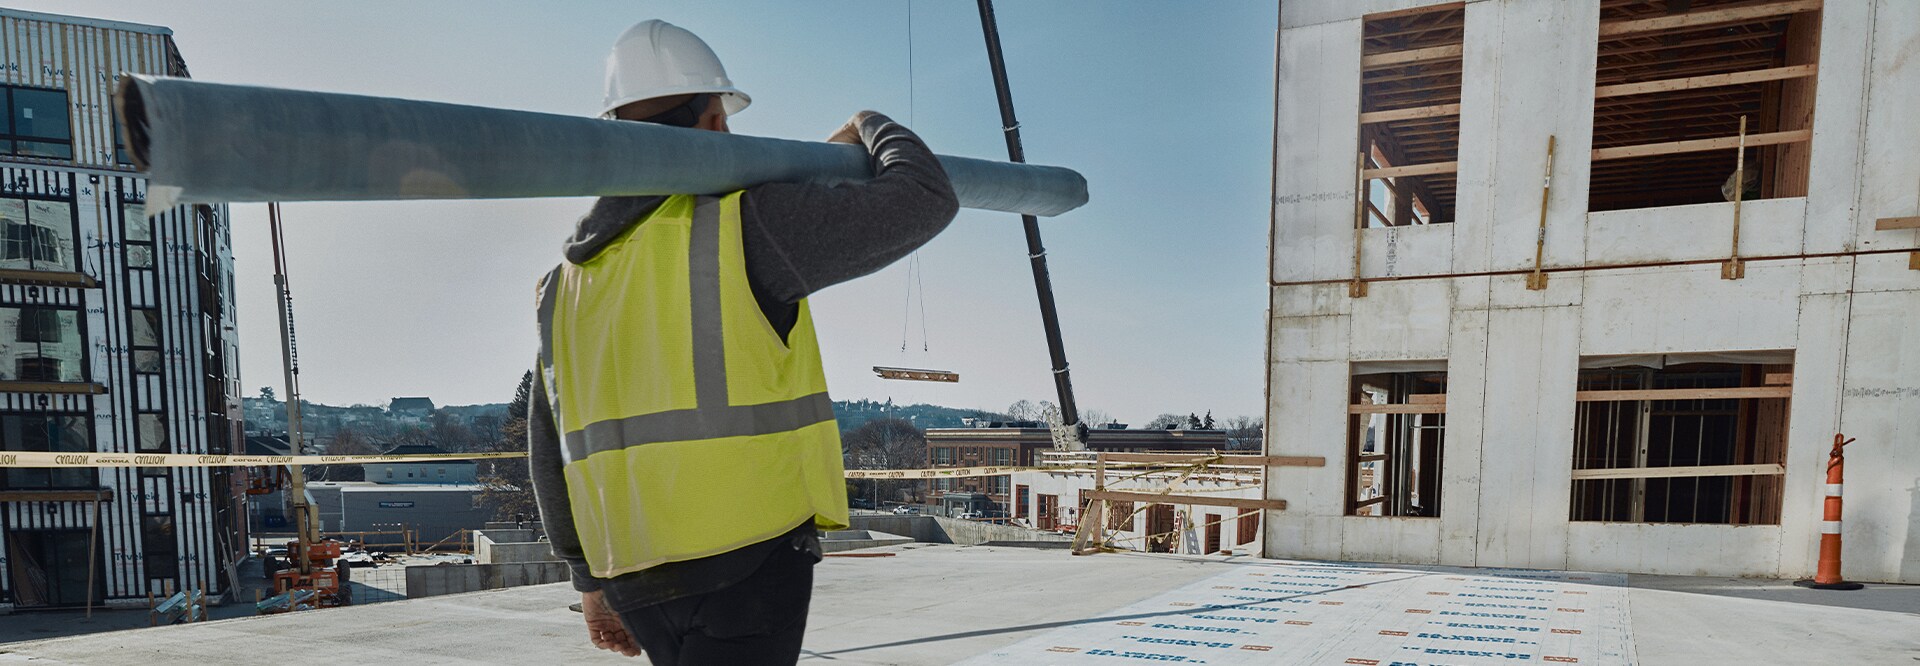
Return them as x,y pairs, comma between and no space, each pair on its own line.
732,101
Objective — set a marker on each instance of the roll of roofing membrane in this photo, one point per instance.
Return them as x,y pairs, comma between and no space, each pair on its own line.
208,142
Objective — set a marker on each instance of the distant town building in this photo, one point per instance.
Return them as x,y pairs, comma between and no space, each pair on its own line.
410,410
429,513
441,472
116,334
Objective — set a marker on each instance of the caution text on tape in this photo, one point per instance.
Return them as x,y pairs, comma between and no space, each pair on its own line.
941,472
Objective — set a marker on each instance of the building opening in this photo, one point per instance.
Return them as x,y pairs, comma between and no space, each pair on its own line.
1673,79
1683,443
1396,443
1410,68
50,568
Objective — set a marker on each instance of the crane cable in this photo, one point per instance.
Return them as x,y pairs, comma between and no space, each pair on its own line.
915,271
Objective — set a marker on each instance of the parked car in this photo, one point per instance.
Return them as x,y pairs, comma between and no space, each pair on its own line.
904,510
972,515
860,503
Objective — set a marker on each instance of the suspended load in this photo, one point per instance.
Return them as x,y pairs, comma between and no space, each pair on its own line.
916,374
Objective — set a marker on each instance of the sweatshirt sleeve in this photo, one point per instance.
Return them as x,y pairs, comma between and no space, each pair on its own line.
803,238
550,486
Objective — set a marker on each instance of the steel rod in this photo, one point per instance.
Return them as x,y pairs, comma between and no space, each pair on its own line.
208,142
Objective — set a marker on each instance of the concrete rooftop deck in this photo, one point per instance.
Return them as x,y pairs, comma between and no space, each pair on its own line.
938,604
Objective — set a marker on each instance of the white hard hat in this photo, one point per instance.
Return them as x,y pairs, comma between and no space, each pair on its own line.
655,58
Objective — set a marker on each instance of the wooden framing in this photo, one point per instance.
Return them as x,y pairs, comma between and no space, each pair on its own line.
1706,81
1427,398
1197,500
1743,392
1409,408
81,388
1393,59
1894,223
1768,469
1437,110
1738,14
1701,145
50,278
1411,170
1223,460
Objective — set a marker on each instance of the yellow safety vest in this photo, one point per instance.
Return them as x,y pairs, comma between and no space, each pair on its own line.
689,427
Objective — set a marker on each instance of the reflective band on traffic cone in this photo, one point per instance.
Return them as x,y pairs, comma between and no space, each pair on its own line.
1827,577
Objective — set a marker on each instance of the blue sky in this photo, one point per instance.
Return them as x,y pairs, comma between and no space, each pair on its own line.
1165,107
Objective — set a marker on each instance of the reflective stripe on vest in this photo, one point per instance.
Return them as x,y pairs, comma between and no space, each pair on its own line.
640,472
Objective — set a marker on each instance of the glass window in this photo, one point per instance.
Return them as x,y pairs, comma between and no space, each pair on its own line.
146,327
40,125
40,344
49,433
36,235
139,228
152,432
159,548
146,361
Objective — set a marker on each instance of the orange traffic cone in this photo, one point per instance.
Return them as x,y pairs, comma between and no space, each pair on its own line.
1827,577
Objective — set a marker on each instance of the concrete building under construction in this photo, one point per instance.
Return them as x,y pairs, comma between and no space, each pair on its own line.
1593,284
116,334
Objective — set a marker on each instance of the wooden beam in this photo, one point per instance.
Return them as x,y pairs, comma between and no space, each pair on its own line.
1367,503
1427,398
50,278
1700,145
1779,379
1434,111
1157,498
1392,59
1616,29
1415,170
1619,395
56,496
1224,459
1769,469
1892,223
1706,81
1426,408
82,388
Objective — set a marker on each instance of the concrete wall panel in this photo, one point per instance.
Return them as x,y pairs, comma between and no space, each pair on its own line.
1307,417
1545,87
1530,370
1690,309
1466,428
1402,321
1839,110
1411,250
1890,177
1768,227
1314,198
1322,338
1671,548
1309,300
1409,540
1815,416
1880,400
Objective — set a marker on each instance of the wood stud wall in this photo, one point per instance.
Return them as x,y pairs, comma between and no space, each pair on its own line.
86,61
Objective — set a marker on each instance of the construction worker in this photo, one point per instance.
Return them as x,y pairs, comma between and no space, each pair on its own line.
682,444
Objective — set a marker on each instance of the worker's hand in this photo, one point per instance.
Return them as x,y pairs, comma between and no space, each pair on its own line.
603,625
850,132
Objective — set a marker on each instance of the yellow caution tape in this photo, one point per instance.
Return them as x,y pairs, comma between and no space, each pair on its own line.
49,459
943,472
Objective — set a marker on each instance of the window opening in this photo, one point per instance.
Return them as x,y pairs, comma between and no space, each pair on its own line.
1673,78
1688,443
46,433
1410,79
38,123
1396,444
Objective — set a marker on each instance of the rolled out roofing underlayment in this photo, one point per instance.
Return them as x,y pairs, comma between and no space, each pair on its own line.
208,143
1288,612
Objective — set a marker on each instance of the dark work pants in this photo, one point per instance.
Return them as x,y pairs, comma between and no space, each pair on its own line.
759,620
